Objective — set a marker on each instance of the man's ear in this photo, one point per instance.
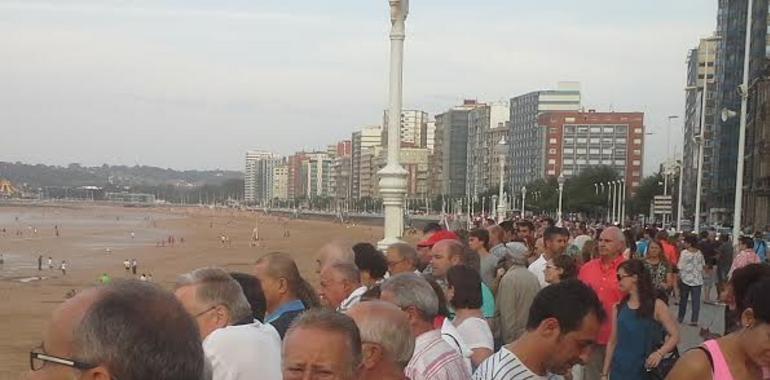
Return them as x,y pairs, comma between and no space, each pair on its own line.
98,373
372,354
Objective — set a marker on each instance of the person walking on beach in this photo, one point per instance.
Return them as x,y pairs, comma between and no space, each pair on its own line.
133,266
63,267
50,263
40,263
126,265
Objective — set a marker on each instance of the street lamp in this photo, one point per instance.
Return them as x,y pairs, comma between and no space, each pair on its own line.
561,180
744,90
523,199
622,201
610,201
393,175
501,150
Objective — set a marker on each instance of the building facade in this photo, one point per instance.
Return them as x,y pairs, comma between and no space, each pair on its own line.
414,128
527,140
258,176
731,27
484,123
366,138
700,70
318,174
578,140
756,193
450,151
281,182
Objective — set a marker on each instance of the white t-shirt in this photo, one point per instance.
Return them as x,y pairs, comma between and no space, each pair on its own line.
454,338
538,269
244,352
504,365
476,333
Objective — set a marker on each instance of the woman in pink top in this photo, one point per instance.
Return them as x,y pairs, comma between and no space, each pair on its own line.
746,256
744,353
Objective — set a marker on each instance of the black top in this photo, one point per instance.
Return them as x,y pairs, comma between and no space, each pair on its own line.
284,321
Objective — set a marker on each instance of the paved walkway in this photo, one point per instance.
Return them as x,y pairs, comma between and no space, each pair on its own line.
711,317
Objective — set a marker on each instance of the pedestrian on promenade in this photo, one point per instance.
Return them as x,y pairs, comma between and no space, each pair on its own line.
63,267
660,269
746,255
560,268
691,264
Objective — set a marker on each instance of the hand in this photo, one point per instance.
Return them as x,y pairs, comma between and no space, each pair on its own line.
654,359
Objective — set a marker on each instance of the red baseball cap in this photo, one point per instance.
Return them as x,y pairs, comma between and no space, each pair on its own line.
437,237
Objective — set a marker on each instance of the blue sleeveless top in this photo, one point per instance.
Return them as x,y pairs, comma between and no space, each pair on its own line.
634,341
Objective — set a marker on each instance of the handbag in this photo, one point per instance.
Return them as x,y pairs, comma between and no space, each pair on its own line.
656,340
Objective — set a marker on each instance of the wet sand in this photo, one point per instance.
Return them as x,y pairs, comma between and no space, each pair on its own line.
87,232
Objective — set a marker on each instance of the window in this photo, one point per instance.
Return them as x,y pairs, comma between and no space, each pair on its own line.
637,141
569,141
637,162
552,141
638,131
583,129
569,151
582,140
552,151
568,161
635,173
551,172
593,162
620,162
609,129
635,184
593,151
596,130
637,152
567,172
607,150
620,140
581,151
551,161
595,140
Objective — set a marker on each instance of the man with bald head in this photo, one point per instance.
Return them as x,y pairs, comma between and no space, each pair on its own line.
335,251
387,341
80,341
448,253
601,275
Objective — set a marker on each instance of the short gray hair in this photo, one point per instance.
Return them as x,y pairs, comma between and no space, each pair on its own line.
215,286
348,271
120,330
410,289
385,324
334,322
407,252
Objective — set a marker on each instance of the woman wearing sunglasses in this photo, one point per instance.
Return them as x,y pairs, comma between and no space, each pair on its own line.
634,345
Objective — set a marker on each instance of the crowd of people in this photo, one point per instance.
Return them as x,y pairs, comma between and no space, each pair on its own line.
513,300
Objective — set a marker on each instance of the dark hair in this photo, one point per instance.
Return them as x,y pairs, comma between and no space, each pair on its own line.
281,265
158,339
334,322
252,289
758,301
369,259
567,265
466,283
644,286
747,241
507,226
724,237
549,222
481,234
569,302
551,232
590,250
443,310
661,235
526,223
743,278
691,240
431,227
630,241
372,293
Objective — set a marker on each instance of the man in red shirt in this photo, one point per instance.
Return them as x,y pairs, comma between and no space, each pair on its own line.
601,275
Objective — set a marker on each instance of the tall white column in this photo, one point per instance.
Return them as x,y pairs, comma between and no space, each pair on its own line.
393,176
501,205
680,203
744,89
623,202
523,199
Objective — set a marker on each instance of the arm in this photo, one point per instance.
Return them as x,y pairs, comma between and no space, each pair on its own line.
670,279
479,355
611,343
663,316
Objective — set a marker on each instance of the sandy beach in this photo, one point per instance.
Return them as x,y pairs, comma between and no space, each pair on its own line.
96,239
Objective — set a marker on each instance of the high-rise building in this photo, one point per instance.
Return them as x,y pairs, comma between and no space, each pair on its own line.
414,128
527,140
700,70
731,28
318,171
258,176
450,152
342,178
757,182
575,141
491,172
416,163
430,133
366,138
579,140
281,182
297,185
481,120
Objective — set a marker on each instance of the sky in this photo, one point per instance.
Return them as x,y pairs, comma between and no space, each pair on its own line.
194,84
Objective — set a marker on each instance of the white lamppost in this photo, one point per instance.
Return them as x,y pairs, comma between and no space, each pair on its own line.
680,206
610,203
622,201
561,181
393,176
523,199
501,150
744,90
617,200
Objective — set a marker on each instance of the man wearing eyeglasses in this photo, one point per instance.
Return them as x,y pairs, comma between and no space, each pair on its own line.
387,343
112,332
237,346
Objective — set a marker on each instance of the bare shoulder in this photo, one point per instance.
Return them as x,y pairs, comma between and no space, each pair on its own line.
694,364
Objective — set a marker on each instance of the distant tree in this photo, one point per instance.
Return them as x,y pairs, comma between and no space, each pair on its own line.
647,190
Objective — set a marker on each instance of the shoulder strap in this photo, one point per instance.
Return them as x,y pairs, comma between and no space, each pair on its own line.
708,355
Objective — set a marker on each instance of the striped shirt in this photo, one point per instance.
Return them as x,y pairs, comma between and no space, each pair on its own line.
504,365
435,359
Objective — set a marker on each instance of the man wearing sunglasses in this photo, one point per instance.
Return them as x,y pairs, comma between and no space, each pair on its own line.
111,332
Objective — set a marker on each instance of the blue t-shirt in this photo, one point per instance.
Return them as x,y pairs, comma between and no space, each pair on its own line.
761,248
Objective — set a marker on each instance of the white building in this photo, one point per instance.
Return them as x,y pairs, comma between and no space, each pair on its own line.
365,139
258,176
281,182
318,171
414,128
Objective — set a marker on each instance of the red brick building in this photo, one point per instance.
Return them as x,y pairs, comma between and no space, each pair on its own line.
577,140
